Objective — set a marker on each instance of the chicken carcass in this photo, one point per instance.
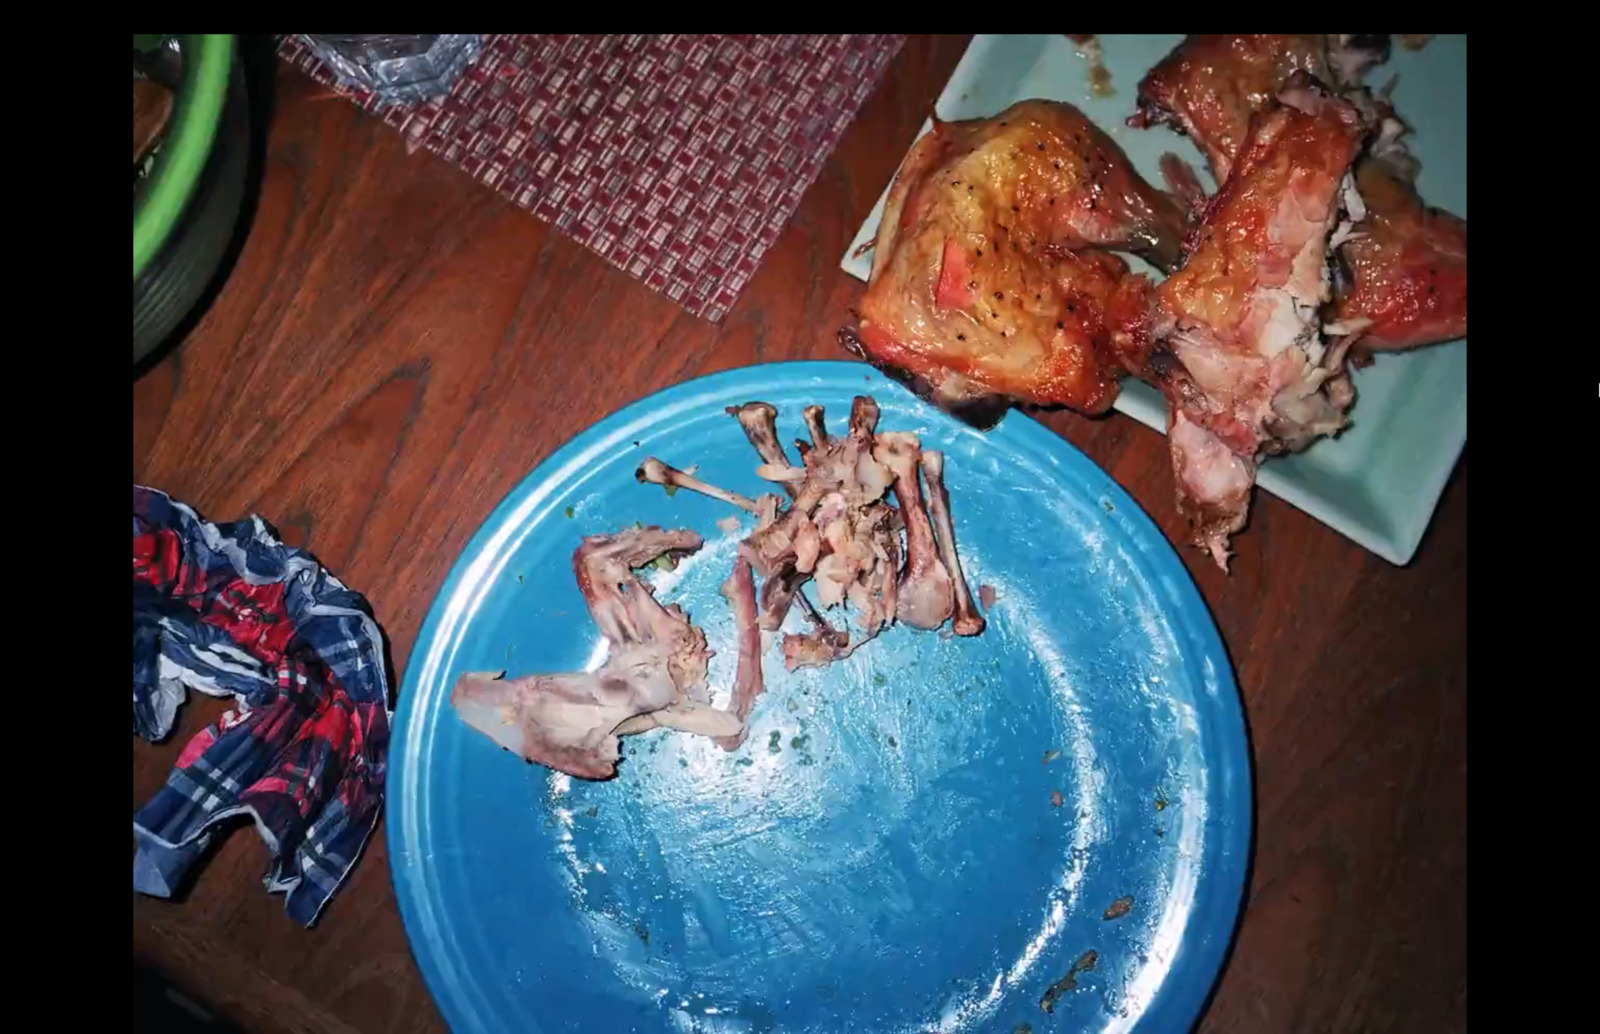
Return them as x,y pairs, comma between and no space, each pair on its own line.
988,275
1209,86
760,423
654,676
834,531
838,533
1238,345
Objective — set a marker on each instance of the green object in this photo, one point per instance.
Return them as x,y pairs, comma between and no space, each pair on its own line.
207,63
187,208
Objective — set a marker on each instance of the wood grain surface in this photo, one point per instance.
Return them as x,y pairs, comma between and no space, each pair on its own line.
397,347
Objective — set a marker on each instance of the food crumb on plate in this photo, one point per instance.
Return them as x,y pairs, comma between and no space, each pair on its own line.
1049,756
1099,76
1086,961
1118,908
987,596
1056,800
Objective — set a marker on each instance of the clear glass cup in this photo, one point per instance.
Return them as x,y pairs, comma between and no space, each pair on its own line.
397,69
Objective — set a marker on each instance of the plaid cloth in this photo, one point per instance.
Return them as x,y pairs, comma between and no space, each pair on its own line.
229,610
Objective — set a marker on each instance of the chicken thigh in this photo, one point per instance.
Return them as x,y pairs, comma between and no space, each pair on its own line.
987,277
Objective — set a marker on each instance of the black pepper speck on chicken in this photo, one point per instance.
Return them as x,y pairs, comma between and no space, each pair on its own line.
992,274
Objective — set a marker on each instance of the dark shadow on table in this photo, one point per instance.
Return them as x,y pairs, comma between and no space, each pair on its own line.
161,1008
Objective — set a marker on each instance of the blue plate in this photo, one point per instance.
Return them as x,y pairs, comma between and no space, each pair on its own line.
923,837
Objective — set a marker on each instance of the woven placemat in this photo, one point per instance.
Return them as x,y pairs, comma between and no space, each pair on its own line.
676,158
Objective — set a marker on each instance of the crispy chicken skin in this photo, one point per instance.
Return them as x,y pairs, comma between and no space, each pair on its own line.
1404,282
1210,85
1405,268
1238,348
987,276
1037,329
1070,183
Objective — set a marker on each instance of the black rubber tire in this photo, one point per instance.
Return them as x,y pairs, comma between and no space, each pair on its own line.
179,274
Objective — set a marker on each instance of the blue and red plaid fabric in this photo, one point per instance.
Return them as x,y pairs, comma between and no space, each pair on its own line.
229,610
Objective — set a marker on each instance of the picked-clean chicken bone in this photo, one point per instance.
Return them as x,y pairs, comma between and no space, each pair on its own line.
926,595
760,423
837,531
821,646
740,592
654,675
658,473
968,621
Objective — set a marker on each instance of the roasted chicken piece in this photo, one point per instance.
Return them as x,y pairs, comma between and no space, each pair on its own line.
1238,346
1403,280
1404,269
653,677
1210,85
1042,329
987,278
1039,172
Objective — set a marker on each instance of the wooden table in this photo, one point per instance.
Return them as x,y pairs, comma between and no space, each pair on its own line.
398,346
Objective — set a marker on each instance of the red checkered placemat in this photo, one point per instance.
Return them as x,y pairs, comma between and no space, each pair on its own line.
676,158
